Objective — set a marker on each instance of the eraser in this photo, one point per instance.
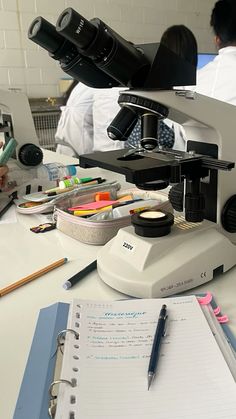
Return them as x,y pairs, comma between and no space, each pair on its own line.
102,196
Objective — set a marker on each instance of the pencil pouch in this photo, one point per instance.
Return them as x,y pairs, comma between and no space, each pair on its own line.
100,232
82,193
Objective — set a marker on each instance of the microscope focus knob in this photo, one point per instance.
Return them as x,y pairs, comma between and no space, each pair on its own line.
194,207
176,197
228,217
30,155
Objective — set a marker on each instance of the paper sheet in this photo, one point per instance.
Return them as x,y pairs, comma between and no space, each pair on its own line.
109,364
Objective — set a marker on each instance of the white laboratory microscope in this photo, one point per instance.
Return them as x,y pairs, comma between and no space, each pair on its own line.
201,242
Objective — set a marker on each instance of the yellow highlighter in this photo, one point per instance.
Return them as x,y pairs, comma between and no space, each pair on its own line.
83,213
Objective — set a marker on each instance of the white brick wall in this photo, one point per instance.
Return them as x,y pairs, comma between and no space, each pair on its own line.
25,66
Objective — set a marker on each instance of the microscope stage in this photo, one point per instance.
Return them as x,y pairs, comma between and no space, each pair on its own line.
139,167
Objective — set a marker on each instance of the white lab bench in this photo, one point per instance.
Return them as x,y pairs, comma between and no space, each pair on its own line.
23,252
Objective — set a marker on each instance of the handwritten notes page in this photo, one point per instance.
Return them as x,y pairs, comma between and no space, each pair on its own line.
108,364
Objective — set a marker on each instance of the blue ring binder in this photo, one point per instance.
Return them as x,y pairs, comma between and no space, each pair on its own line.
39,372
40,367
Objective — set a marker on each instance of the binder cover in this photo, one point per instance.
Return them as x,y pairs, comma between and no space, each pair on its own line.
33,399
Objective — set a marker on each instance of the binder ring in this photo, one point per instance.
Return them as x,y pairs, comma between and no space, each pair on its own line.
53,397
52,406
61,334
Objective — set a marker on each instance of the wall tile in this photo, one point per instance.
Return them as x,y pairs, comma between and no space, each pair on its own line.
198,20
167,5
151,16
10,5
106,13
2,39
45,6
33,76
129,14
9,20
188,6
85,8
50,75
27,5
38,59
176,18
17,76
4,76
13,39
11,58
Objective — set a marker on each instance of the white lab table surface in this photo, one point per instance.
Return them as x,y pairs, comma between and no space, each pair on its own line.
23,252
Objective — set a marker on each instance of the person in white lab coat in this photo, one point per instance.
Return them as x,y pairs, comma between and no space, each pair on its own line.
217,79
84,119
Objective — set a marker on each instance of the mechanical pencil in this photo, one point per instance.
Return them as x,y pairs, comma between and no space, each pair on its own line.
80,275
159,334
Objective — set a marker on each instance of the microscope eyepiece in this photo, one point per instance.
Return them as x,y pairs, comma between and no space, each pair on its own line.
43,33
76,28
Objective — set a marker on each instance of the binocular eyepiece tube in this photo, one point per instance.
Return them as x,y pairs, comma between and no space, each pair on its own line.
81,68
90,51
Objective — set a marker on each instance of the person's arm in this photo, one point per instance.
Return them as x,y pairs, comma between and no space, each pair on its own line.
105,108
75,127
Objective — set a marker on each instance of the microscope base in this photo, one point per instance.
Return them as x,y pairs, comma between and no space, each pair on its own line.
159,267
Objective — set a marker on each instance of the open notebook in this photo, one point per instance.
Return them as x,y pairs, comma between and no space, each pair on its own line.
106,362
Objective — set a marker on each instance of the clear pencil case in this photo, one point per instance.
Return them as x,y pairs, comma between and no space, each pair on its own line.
100,232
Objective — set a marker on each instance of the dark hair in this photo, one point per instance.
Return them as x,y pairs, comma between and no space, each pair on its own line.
181,41
223,21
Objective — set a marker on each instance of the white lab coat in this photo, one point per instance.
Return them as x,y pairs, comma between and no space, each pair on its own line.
82,127
217,80
74,134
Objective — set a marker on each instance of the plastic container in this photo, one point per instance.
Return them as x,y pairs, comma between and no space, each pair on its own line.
45,175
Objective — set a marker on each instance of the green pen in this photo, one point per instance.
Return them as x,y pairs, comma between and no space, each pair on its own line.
89,179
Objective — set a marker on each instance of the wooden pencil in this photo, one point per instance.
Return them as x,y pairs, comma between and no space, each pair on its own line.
32,276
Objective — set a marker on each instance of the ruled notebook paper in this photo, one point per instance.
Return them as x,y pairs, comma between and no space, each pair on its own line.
109,364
